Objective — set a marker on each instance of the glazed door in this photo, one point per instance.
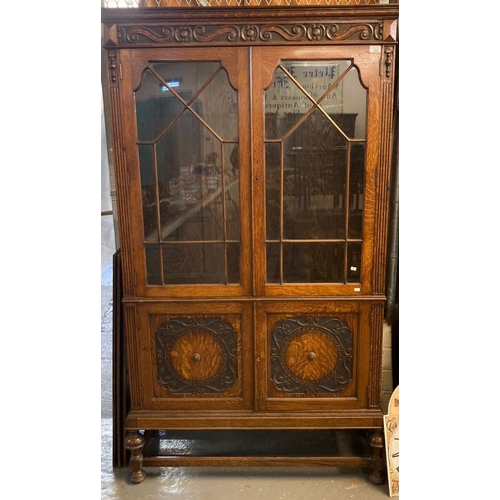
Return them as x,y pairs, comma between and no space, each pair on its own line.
309,180
187,148
316,122
316,127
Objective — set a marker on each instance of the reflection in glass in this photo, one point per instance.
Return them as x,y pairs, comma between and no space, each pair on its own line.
155,109
233,262
353,262
187,126
315,178
232,189
273,262
313,262
273,191
356,191
315,116
220,104
148,193
193,263
153,265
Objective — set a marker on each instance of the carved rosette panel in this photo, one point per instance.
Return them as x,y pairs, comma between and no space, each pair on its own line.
196,355
311,355
253,33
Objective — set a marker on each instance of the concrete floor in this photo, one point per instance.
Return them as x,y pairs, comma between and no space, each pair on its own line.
209,483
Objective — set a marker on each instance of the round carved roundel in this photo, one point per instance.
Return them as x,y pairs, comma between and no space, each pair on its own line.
311,355
196,355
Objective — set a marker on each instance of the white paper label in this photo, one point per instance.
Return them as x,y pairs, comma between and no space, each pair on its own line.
357,289
375,48
354,268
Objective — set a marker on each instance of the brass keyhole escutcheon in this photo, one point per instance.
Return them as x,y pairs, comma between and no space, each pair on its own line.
196,357
311,356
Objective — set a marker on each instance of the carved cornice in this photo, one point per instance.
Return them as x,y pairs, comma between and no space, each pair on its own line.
250,33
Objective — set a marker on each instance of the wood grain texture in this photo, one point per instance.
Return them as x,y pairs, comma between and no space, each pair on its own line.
132,349
383,173
232,461
311,356
196,356
121,180
300,419
376,330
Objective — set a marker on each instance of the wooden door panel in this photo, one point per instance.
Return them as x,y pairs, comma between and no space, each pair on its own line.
195,356
313,355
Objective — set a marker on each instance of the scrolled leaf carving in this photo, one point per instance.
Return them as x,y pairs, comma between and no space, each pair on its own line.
200,35
365,31
293,33
249,33
167,34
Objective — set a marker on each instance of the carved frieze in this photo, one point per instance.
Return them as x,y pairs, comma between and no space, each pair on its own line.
196,355
311,355
249,33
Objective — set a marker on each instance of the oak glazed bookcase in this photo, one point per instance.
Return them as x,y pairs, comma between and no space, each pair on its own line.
251,149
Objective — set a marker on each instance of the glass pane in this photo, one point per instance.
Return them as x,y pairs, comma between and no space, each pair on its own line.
353,262
273,191
184,78
155,109
218,104
273,262
356,191
271,127
233,262
189,209
187,121
315,132
148,191
232,186
153,265
297,86
354,104
193,263
315,180
313,262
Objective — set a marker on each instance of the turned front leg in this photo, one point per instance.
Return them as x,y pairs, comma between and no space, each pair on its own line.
377,462
135,443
